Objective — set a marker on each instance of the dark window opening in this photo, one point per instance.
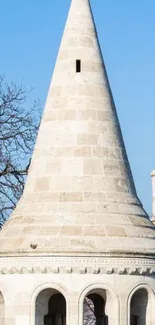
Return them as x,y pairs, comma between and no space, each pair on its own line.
94,310
78,66
139,307
56,310
134,320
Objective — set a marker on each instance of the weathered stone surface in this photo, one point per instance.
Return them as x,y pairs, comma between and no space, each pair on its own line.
79,195
79,227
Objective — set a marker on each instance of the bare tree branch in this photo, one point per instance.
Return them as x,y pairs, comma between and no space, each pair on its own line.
89,317
18,130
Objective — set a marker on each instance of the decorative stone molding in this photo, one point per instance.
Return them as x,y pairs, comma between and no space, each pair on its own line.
83,270
80,270
132,271
56,270
69,270
109,270
122,271
81,265
54,261
96,270
152,271
143,270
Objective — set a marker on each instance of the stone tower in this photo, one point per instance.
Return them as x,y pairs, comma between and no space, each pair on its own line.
79,234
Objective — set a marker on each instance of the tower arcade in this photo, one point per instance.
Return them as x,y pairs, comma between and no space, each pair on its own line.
79,247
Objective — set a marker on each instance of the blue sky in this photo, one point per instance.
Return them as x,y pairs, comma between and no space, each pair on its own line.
30,34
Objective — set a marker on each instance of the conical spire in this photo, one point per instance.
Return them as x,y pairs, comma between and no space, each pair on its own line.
80,194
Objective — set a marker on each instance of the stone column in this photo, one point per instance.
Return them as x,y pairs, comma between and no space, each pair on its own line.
124,312
153,196
73,311
16,313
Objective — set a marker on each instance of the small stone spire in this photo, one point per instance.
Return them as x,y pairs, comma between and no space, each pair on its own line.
80,195
153,196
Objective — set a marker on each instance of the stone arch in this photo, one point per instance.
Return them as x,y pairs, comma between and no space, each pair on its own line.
49,305
2,309
105,304
141,305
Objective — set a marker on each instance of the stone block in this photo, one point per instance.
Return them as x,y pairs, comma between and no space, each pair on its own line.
71,197
86,114
71,231
94,196
41,184
115,231
48,197
94,231
93,166
87,139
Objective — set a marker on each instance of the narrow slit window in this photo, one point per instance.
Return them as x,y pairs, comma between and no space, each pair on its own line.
78,66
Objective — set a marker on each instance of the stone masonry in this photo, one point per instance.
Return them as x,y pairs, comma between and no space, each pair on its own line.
80,194
79,226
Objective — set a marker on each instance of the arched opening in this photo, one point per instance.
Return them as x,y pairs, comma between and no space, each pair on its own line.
2,310
140,308
50,308
94,308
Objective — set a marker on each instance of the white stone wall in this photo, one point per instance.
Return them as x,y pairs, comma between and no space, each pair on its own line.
21,290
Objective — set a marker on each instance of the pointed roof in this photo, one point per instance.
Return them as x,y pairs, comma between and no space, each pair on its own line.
80,195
